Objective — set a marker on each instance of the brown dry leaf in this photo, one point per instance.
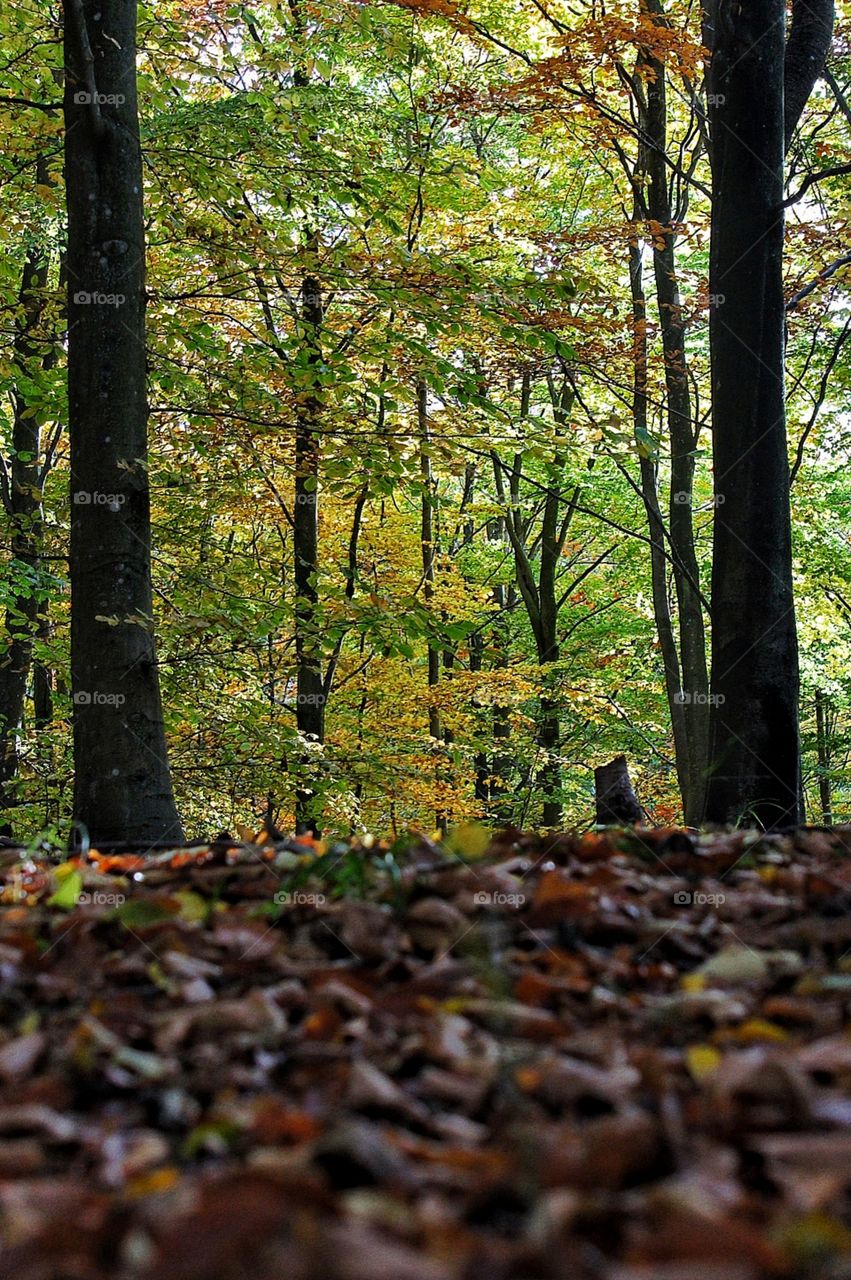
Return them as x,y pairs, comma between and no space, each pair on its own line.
20,1056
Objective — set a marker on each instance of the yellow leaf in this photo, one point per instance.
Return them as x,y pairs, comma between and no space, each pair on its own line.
149,1184
702,1060
759,1029
470,840
70,888
193,908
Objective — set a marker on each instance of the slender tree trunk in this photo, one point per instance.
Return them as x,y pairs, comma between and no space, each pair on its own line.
429,556
24,502
481,763
429,551
823,748
122,781
42,680
363,703
549,733
310,684
754,735
682,434
650,496
539,593
500,792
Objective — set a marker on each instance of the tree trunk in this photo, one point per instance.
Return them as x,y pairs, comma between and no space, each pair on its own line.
616,802
823,748
310,684
806,52
428,549
549,730
481,763
683,442
122,783
655,523
501,796
754,735
428,545
24,504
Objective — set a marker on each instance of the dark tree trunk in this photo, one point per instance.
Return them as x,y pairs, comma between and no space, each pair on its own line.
754,771
655,523
501,806
539,593
42,682
823,749
122,781
481,763
501,795
24,505
310,683
806,53
549,729
682,434
616,802
428,547
429,552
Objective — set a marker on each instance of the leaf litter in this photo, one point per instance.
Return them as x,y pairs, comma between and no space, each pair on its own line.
618,1056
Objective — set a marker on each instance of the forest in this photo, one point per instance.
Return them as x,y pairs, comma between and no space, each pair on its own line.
407,447
425,640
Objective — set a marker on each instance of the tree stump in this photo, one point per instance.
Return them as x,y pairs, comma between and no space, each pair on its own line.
617,803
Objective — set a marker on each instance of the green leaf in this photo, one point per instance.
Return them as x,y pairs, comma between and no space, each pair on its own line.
138,912
70,888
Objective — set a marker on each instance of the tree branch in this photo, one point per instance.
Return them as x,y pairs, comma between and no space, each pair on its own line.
811,179
48,107
823,275
806,53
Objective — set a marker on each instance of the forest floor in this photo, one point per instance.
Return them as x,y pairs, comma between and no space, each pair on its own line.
621,1056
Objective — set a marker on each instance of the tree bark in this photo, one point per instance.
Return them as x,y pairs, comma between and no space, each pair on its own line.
500,794
122,787
428,547
682,435
310,683
428,551
823,750
549,731
806,53
24,506
616,802
655,523
754,733
539,593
